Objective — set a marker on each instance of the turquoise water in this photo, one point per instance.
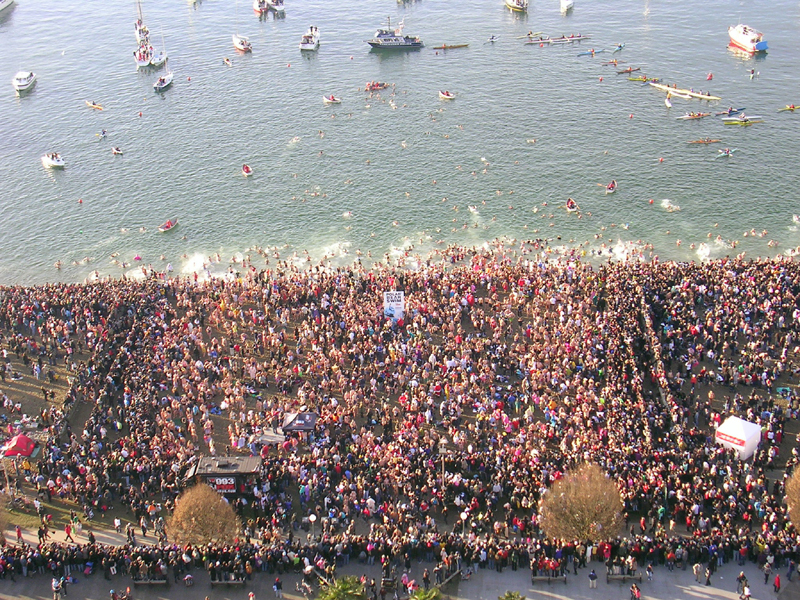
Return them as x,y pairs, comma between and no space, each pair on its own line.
378,159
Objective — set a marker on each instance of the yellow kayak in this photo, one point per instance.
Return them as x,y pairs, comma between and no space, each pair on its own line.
93,105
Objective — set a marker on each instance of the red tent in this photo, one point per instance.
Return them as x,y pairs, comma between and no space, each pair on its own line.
20,445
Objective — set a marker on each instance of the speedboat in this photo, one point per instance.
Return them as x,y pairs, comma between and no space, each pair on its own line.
23,81
169,225
393,39
247,170
310,39
747,38
116,151
276,5
53,161
5,3
611,187
331,99
260,6
445,95
241,43
143,55
567,5
163,82
517,5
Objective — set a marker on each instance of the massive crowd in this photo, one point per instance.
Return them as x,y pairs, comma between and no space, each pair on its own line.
508,368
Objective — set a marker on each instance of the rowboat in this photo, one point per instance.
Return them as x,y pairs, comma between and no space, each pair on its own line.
450,46
726,152
790,107
705,141
247,170
169,225
591,52
331,99
93,105
676,91
690,116
445,95
731,111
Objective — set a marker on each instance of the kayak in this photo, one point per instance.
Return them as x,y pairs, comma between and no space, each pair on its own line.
168,226
729,112
675,91
591,52
705,141
742,117
791,108
614,62
450,46
691,116
618,48
93,105
743,122
667,103
629,70
726,152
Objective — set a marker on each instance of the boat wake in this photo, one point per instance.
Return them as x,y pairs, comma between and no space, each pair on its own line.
667,205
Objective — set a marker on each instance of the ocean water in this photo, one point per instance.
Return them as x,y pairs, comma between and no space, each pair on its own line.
401,170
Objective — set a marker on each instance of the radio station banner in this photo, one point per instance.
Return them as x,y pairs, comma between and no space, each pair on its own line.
394,305
222,484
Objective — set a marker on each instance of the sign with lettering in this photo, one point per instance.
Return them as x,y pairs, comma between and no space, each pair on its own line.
222,484
394,305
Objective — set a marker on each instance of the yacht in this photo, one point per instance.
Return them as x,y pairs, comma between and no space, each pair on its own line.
310,39
393,39
53,161
747,38
5,3
23,81
241,43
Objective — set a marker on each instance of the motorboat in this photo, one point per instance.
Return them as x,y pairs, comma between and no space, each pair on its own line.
23,81
241,43
567,5
5,4
331,99
747,38
169,225
260,6
310,39
517,5
143,55
445,95
163,82
116,151
158,59
390,38
53,161
276,5
247,170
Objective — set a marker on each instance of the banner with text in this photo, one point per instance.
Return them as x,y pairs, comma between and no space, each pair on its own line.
394,305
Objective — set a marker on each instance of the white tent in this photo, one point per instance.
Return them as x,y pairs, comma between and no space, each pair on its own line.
743,436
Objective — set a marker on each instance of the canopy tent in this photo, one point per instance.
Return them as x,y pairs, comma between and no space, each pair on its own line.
743,436
302,421
20,445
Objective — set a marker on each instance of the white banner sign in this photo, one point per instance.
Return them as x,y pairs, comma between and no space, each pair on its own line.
394,305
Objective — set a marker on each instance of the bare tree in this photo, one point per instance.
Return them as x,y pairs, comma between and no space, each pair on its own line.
201,516
583,505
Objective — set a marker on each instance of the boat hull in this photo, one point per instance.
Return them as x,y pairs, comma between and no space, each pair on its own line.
747,39
5,4
24,83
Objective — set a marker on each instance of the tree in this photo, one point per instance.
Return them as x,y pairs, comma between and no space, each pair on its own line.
792,497
343,588
583,505
511,596
202,516
433,593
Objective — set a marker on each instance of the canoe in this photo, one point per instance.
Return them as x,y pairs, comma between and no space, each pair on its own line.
450,46
694,116
703,141
591,52
677,91
735,111
93,105
168,226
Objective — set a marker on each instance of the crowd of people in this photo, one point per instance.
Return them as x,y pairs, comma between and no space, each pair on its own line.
438,433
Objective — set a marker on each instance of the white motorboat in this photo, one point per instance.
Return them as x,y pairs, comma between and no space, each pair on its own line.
517,5
567,5
276,5
241,43
53,161
747,38
163,82
158,59
392,38
310,39
23,81
5,3
143,55
331,99
260,6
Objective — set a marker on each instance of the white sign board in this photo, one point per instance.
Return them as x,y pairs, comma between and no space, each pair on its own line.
394,305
